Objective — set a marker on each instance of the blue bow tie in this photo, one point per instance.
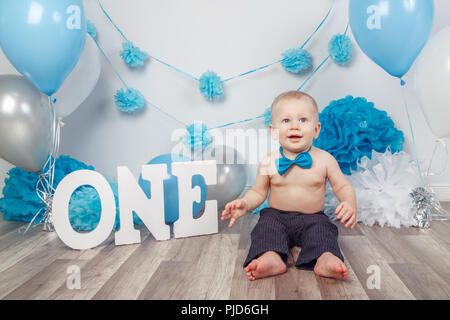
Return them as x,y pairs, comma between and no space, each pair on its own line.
303,160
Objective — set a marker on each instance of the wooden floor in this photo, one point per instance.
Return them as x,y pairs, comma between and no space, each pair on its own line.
413,264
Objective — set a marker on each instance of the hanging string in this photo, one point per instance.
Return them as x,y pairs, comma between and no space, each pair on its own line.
233,123
320,65
278,61
230,78
319,26
109,61
110,20
312,74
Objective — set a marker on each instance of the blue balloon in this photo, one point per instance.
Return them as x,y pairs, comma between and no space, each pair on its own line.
171,208
43,39
391,32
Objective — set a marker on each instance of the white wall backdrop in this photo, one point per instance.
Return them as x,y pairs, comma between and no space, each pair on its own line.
228,37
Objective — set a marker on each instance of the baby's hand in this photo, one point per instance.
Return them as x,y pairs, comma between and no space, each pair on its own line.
234,210
346,212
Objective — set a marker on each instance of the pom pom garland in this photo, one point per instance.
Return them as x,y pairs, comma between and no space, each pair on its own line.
133,56
352,128
296,60
340,49
211,86
129,100
197,136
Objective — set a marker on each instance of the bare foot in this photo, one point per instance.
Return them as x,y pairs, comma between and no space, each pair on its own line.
267,264
330,266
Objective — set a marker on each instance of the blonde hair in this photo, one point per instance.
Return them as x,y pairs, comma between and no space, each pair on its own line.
293,94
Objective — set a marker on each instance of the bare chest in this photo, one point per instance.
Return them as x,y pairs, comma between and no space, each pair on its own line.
314,177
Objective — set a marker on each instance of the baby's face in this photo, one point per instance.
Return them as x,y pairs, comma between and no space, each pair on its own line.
296,123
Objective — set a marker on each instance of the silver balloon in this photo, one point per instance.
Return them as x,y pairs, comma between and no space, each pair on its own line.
231,175
27,124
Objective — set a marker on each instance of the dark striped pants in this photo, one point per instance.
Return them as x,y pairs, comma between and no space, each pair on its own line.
279,230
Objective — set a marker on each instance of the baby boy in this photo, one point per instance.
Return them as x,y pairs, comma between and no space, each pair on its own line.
296,175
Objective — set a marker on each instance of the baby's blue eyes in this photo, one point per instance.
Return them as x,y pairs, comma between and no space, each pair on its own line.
301,120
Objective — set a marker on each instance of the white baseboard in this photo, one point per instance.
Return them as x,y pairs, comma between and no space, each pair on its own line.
442,191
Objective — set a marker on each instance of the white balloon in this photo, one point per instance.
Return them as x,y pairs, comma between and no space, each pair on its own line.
432,82
80,82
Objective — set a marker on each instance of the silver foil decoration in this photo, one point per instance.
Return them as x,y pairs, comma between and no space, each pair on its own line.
424,201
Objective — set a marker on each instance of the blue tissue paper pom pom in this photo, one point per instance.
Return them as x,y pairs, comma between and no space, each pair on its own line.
21,203
197,136
352,128
129,100
91,29
133,56
296,60
267,117
340,49
211,86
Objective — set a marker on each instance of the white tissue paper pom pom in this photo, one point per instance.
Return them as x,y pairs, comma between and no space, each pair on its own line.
382,186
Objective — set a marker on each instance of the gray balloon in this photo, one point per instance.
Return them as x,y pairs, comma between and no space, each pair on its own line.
231,174
26,124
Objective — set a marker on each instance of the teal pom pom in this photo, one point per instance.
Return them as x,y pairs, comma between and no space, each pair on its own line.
129,100
133,56
296,60
211,86
340,49
197,136
352,128
267,117
91,29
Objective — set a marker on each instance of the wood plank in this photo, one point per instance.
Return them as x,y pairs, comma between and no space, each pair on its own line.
132,276
158,288
361,254
44,283
96,272
32,264
389,244
439,231
296,284
211,277
7,226
422,281
21,246
430,252
187,249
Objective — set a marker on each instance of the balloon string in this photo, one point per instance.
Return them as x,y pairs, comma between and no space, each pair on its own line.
44,185
442,142
412,131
